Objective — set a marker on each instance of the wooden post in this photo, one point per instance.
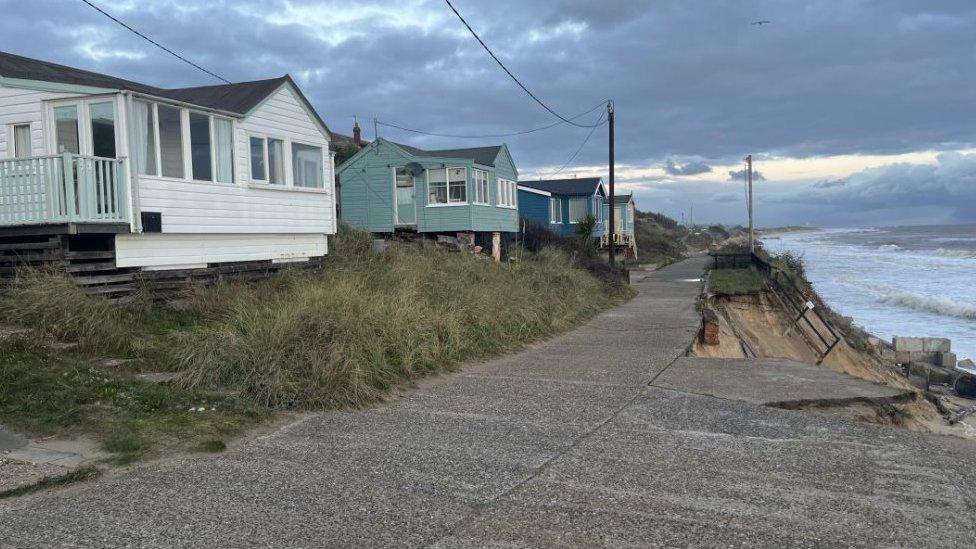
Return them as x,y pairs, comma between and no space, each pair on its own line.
496,246
611,256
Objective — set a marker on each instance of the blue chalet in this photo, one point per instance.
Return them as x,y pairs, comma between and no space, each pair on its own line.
560,203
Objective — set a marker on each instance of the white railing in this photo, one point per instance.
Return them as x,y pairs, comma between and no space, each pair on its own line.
63,189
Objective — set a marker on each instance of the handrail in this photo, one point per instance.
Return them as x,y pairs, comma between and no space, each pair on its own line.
65,188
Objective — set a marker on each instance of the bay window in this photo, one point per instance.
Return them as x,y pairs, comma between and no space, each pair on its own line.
170,141
224,145
480,180
200,159
447,186
577,209
258,166
144,137
276,161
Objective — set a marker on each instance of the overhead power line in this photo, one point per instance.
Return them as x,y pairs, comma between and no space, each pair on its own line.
601,121
153,42
495,135
508,72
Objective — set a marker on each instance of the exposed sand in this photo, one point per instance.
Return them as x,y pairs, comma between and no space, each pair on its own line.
770,332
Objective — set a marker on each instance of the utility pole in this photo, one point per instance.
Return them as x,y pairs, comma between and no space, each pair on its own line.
752,238
612,229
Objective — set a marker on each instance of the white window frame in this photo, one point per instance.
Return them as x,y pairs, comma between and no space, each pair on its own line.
12,139
290,144
286,164
83,106
555,206
482,189
507,193
447,181
569,208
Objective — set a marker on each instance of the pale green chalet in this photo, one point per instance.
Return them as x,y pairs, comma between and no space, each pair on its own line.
388,187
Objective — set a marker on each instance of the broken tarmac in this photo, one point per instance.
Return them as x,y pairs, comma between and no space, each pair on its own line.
565,443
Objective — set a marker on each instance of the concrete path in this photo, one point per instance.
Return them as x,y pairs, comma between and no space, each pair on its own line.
771,381
563,444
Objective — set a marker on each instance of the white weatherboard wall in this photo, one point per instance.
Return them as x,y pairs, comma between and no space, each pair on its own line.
209,222
209,207
178,250
19,106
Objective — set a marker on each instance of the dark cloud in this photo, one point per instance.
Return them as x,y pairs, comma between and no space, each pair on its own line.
740,175
689,79
689,168
830,184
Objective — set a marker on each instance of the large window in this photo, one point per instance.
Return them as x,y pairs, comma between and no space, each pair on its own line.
66,129
306,165
22,141
170,141
506,193
268,160
555,210
577,209
200,159
258,167
447,186
224,147
144,137
480,180
102,129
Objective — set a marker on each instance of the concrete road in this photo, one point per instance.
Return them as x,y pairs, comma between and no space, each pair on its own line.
564,444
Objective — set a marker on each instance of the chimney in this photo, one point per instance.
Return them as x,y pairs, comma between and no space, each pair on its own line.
357,136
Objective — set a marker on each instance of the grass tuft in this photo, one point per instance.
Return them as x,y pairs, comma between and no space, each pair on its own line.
212,446
735,281
82,474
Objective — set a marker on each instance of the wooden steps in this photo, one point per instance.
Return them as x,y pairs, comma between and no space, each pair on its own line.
90,260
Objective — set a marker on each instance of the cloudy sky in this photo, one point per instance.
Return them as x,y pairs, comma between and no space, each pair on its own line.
858,112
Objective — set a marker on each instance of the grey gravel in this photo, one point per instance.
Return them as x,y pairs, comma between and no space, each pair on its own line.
563,444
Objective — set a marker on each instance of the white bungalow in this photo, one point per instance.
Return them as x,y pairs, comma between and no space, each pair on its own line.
96,167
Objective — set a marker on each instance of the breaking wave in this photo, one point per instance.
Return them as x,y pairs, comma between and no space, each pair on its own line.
962,254
929,303
889,247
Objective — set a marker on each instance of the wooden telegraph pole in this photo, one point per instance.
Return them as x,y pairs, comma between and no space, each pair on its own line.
611,229
752,238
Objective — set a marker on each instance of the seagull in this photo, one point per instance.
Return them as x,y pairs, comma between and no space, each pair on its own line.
763,22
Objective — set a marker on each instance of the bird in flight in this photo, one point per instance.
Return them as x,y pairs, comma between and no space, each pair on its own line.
763,22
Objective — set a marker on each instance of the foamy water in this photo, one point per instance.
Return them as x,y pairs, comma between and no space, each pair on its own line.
906,281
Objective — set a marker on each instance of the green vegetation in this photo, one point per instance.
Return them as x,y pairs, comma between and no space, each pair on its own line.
81,474
343,335
660,239
49,392
735,281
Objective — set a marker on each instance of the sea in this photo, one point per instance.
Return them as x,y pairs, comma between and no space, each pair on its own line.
904,281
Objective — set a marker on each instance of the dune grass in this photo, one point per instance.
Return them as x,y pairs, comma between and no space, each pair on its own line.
343,335
735,281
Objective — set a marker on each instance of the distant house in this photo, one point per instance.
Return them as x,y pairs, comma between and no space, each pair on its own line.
142,178
560,204
623,233
389,187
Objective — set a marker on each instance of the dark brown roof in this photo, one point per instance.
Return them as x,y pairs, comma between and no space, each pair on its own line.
237,98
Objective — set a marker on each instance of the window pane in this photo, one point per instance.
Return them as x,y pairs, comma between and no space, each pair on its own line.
457,183
224,146
437,186
144,138
306,165
257,159
276,161
577,209
66,129
22,141
103,129
170,141
200,147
